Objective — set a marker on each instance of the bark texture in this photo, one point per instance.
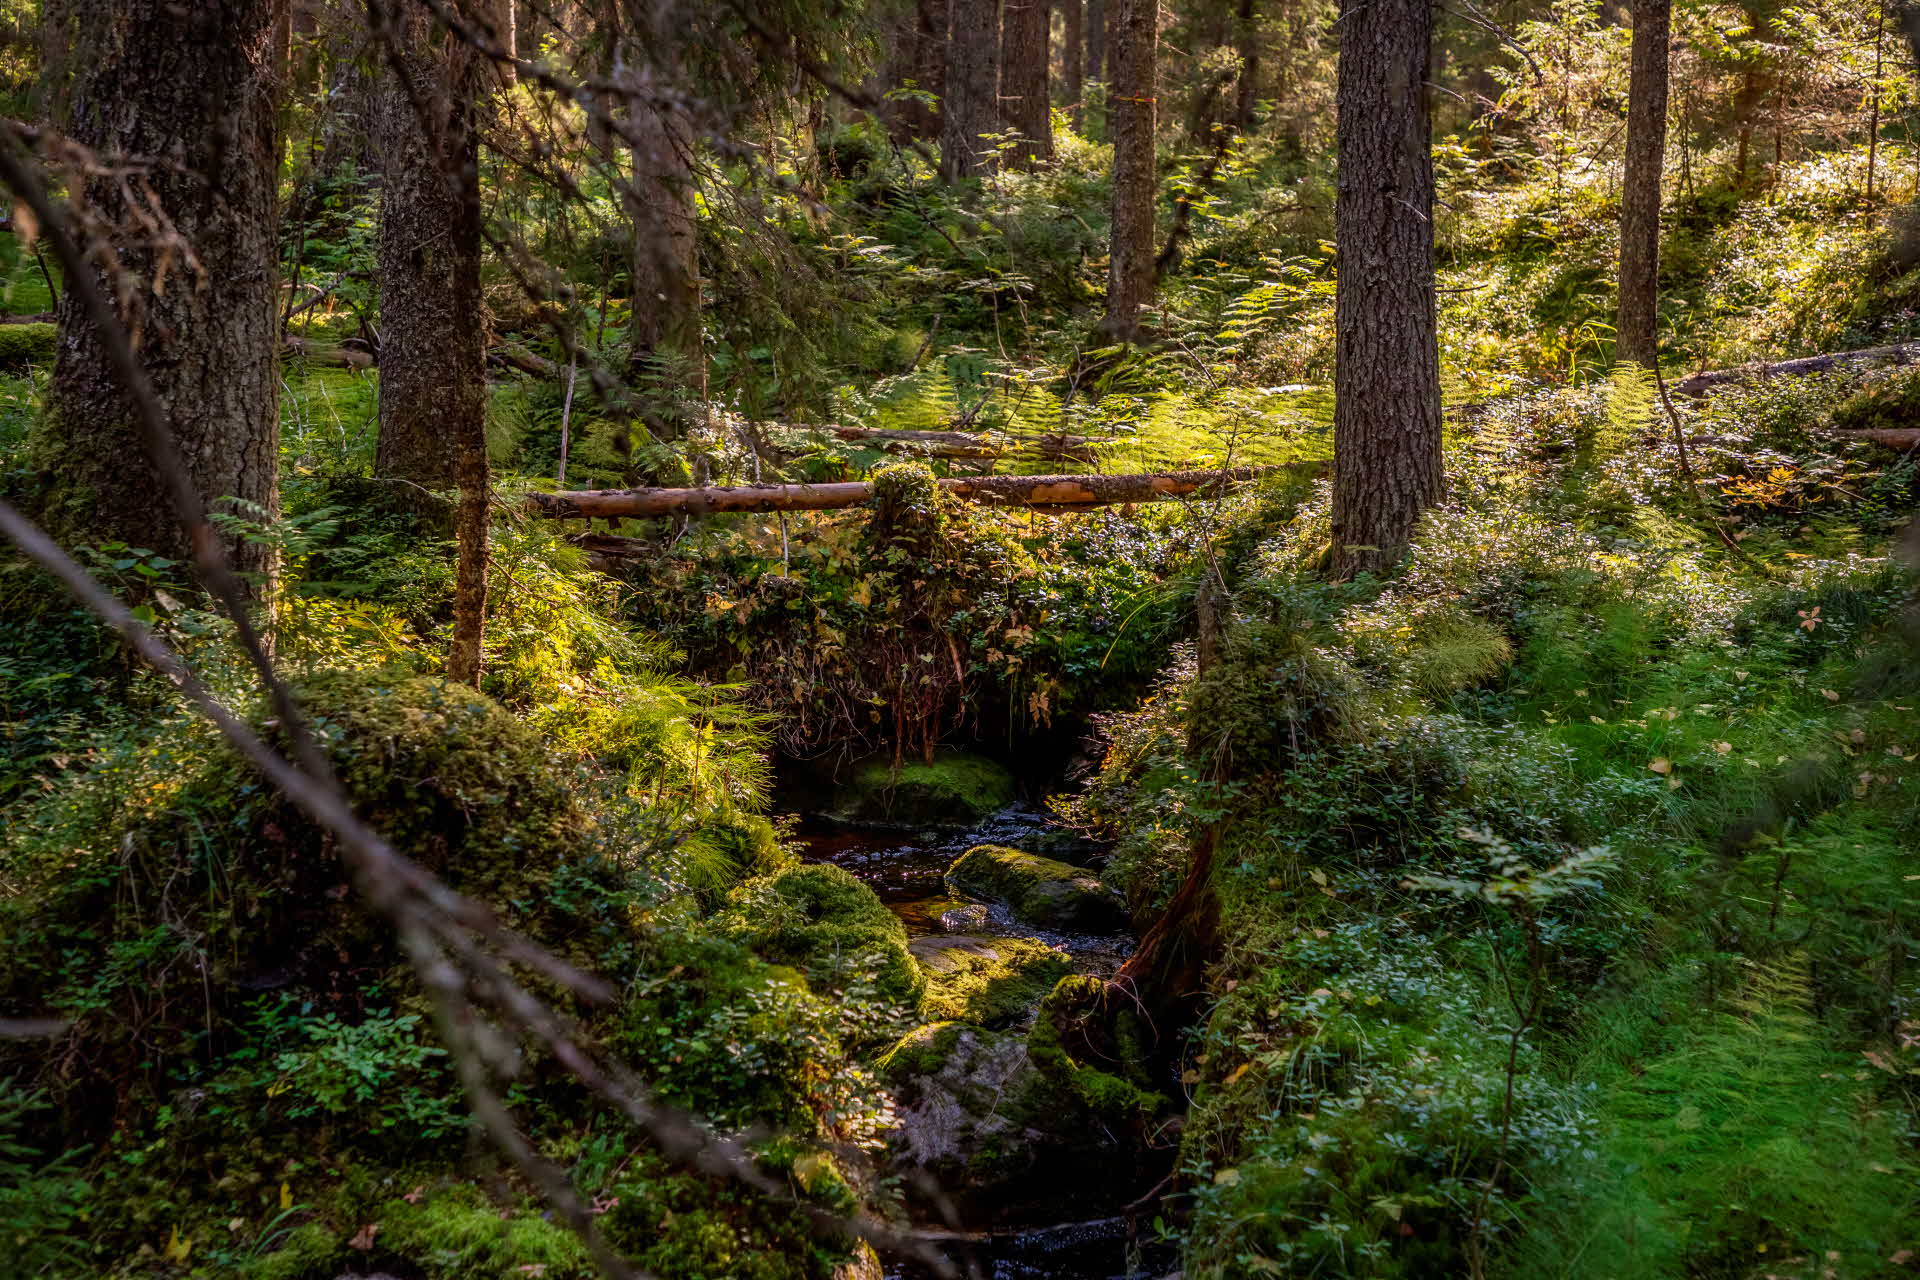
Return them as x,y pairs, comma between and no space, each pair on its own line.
1386,417
433,343
1038,491
1636,339
201,85
968,109
1025,104
668,344
1131,114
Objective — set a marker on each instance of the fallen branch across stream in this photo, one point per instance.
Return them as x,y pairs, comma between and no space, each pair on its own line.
1042,492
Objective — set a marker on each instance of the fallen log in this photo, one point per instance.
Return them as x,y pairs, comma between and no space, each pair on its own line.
1701,383
1046,492
1055,446
337,356
1892,437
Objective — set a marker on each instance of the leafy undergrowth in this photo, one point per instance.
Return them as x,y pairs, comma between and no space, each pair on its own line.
1568,877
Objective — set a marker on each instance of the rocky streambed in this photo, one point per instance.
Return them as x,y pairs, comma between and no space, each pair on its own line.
1017,1158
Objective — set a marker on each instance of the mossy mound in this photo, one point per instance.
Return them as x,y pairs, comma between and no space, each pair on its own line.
1040,891
956,790
666,1223
26,344
825,921
152,911
988,981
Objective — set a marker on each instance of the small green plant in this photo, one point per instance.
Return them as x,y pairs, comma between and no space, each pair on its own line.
380,1070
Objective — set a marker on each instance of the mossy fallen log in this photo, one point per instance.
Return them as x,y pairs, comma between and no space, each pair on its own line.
1701,383
1044,492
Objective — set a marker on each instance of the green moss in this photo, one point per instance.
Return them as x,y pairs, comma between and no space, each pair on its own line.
922,1051
1052,895
955,789
256,896
25,344
990,981
826,921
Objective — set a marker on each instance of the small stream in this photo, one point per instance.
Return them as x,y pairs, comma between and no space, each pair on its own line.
906,870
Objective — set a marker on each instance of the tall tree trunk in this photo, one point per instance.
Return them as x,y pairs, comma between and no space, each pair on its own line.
669,350
1096,26
1025,104
1386,416
433,321
199,85
967,109
1640,196
916,52
1246,42
1073,66
1130,123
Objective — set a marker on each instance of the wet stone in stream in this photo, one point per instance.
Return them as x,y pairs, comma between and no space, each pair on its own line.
906,870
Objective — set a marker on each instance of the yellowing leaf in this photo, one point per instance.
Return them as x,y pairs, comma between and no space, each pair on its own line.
177,1249
1660,765
1233,1077
1226,1177
286,1196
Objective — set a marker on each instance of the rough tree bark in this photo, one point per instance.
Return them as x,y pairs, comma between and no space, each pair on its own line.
199,85
1635,339
1130,123
1025,104
433,342
1073,55
669,355
967,109
1386,417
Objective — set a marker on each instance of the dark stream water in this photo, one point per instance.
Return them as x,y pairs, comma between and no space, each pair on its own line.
906,870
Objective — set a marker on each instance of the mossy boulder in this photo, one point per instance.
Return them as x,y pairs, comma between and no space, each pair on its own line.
1008,1134
989,981
825,921
1040,891
956,789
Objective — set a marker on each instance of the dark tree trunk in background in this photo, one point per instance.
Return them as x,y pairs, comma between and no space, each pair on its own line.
1073,66
1130,124
916,53
1640,195
669,351
1096,25
1246,42
1387,467
968,108
201,86
433,394
1025,104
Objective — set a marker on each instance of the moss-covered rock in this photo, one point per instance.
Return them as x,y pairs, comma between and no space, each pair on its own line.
956,790
989,981
827,922
1004,1134
1040,891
